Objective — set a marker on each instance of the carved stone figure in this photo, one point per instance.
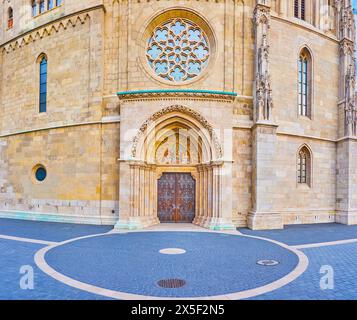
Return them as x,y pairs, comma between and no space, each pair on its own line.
263,94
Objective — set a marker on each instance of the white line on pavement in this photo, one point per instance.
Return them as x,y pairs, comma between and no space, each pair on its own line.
301,267
324,244
47,243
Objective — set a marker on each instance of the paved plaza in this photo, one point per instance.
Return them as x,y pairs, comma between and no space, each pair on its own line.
173,261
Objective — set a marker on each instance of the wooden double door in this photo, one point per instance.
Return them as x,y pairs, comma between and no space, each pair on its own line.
176,198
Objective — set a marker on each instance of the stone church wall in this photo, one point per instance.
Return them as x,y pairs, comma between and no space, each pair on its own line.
96,48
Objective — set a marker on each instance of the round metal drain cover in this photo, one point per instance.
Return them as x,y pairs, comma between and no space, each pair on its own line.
171,283
267,262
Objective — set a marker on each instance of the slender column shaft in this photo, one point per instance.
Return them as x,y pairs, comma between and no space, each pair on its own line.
136,191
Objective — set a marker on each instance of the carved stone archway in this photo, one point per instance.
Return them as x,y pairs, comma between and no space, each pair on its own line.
144,168
184,111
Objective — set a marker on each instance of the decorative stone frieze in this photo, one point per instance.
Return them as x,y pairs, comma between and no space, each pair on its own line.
54,27
174,94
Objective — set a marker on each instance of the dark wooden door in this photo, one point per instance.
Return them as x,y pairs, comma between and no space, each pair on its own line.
176,197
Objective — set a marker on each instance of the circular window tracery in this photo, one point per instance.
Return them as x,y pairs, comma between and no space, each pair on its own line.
178,50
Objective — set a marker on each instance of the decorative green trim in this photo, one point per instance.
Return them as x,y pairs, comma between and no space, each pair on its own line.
163,91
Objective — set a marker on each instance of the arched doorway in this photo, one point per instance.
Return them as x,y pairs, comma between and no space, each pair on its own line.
178,150
176,160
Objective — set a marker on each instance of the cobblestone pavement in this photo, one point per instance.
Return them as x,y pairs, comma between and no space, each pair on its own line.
211,264
343,261
307,233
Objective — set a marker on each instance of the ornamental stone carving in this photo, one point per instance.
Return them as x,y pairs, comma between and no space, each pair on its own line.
178,108
263,91
347,35
178,50
350,104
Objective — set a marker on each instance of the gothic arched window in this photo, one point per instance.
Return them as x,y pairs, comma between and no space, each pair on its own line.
10,20
299,9
43,84
304,166
305,75
50,4
42,6
33,8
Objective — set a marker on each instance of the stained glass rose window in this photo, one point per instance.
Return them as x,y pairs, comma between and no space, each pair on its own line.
178,50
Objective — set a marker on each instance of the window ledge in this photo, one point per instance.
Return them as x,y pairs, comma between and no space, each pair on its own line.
304,118
46,11
304,186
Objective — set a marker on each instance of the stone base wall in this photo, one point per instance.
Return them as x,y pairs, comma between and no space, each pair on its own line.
346,200
309,217
280,219
71,211
264,221
82,175
60,218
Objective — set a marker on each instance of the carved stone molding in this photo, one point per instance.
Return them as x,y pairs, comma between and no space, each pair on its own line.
346,47
261,15
185,110
350,101
62,23
177,94
346,19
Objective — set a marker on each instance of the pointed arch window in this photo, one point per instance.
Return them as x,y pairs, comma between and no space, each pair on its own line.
10,21
33,8
50,4
42,6
304,166
304,80
43,84
299,9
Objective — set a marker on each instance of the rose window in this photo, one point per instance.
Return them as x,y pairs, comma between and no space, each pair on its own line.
178,50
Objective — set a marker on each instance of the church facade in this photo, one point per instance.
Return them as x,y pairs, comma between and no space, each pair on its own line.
220,113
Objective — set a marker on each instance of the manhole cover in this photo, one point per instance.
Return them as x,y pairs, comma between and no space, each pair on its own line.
171,283
267,262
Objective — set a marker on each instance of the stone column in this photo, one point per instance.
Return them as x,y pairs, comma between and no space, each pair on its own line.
264,158
218,214
346,200
199,199
153,218
134,209
204,195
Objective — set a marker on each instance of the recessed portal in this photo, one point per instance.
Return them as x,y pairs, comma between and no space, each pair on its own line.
176,198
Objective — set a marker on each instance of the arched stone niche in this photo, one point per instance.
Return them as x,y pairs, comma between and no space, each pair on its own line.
143,169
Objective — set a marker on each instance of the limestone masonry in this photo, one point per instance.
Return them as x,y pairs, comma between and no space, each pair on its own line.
251,104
